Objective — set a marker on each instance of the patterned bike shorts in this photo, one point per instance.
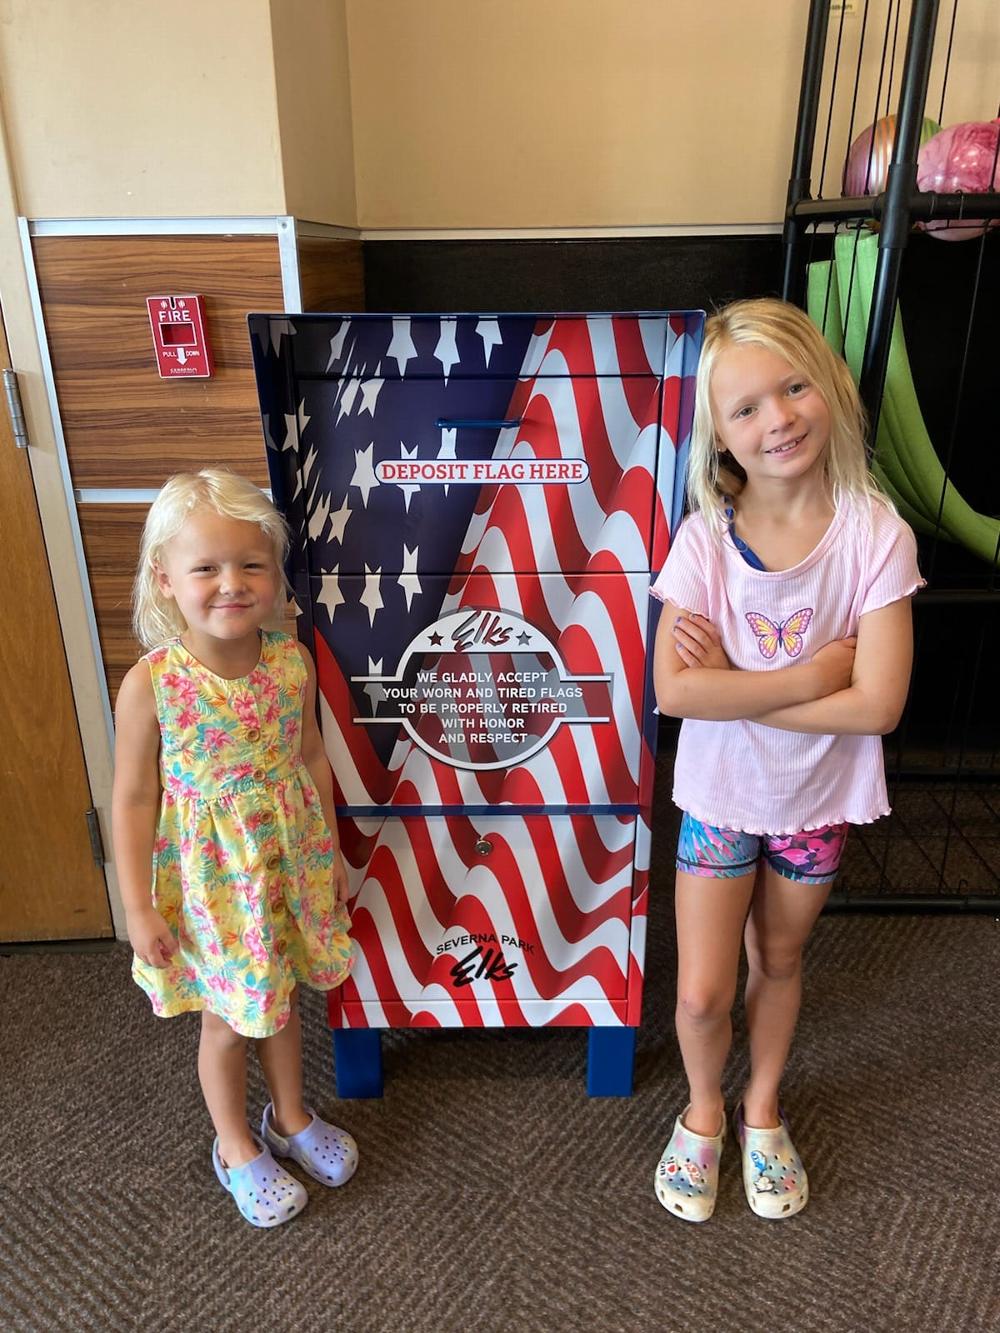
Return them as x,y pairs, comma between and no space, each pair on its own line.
812,857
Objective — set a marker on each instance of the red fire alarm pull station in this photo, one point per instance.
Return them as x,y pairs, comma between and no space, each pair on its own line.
178,324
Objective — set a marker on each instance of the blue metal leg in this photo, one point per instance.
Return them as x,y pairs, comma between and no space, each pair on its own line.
357,1056
610,1059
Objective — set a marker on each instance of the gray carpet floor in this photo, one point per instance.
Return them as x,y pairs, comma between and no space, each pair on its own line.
493,1195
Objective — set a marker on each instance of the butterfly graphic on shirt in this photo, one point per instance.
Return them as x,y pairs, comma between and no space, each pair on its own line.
788,633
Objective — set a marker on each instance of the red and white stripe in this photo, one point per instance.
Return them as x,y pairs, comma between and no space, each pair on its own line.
573,561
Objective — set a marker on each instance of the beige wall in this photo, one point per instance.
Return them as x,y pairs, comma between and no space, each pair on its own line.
436,113
314,109
616,113
129,108
556,113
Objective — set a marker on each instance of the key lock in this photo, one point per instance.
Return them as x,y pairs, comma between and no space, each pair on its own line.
484,846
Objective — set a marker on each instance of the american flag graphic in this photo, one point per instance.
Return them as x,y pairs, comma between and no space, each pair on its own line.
476,504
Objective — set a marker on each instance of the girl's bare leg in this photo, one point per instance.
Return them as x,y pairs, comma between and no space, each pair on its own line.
710,915
281,1059
782,914
222,1071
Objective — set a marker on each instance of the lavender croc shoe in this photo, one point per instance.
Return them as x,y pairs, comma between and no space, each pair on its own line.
687,1175
327,1153
265,1193
774,1179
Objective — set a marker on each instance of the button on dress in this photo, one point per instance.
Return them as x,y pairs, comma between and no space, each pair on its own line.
243,855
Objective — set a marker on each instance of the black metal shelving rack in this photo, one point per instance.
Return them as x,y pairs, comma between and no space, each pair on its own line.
895,210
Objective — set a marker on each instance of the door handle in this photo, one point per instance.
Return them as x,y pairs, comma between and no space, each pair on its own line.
475,423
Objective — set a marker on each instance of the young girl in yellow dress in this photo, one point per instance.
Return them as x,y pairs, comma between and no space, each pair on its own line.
224,830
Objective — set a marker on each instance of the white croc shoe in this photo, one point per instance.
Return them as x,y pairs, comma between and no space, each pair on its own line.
774,1179
687,1175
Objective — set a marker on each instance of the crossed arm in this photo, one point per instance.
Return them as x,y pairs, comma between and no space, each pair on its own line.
849,687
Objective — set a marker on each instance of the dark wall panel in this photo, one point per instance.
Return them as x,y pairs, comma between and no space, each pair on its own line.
642,273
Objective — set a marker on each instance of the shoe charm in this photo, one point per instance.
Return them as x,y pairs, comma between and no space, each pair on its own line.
671,1167
762,1183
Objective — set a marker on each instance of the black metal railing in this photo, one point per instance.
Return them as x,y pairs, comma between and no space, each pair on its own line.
940,849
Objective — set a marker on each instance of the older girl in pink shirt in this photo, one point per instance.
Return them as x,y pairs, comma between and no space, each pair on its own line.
785,644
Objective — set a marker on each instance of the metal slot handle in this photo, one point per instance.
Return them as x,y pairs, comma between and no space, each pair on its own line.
475,423
96,841
13,396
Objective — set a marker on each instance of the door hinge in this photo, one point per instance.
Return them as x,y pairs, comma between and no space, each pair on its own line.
14,409
96,841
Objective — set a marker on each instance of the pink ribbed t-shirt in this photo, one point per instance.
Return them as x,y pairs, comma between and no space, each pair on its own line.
743,775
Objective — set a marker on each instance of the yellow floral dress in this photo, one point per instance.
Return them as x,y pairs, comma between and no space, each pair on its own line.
243,854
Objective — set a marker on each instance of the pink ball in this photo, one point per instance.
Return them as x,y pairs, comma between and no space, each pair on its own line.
867,167
868,158
961,159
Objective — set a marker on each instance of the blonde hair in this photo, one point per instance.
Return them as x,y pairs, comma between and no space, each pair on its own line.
787,331
156,618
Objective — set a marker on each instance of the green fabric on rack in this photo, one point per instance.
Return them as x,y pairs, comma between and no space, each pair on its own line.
905,461
825,311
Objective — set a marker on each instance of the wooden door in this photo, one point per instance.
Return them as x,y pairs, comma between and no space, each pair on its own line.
50,886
